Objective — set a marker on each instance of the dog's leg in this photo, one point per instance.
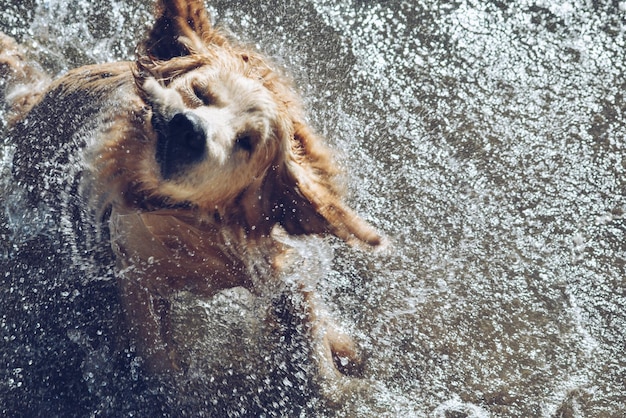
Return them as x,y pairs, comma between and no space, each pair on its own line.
148,320
11,58
336,352
22,82
333,352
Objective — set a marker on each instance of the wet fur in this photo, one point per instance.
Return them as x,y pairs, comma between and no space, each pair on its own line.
213,224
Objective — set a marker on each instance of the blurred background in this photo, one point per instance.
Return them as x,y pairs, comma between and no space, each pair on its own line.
485,138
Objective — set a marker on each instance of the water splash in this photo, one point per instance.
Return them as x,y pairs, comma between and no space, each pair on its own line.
487,140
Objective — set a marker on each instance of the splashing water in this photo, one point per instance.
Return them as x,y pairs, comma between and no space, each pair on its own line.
486,138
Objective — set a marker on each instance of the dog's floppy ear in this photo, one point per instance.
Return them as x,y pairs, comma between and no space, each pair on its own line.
308,198
182,27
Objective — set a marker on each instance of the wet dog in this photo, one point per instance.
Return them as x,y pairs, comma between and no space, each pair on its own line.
190,163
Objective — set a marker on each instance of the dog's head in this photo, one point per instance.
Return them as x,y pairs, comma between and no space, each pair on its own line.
218,130
227,133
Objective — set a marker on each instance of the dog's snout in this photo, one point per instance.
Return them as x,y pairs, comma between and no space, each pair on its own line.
181,144
187,131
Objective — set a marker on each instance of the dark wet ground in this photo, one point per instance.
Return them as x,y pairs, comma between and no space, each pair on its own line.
487,139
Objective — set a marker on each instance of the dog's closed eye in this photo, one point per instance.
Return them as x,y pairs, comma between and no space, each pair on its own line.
203,95
245,142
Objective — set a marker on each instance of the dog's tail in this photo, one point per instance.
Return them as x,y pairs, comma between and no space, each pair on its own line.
22,82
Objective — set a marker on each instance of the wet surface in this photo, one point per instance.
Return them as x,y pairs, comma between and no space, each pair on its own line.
486,139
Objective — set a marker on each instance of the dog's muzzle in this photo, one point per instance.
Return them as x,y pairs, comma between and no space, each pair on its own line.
181,143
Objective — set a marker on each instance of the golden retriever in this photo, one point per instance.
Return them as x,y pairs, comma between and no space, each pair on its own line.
195,158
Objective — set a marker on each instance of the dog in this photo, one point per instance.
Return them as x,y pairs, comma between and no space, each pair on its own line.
189,164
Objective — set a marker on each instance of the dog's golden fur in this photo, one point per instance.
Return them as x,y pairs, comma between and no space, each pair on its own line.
200,216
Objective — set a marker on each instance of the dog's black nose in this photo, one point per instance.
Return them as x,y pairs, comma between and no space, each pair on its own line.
186,129
180,144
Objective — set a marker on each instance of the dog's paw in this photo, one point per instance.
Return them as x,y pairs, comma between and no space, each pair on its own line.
11,61
345,353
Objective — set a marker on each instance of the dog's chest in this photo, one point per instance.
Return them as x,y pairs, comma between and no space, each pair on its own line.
171,252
